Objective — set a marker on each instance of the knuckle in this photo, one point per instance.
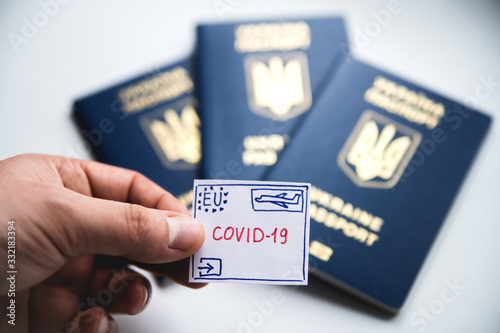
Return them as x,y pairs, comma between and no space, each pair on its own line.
143,234
63,231
139,225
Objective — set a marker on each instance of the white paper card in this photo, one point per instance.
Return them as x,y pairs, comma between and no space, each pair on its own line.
255,232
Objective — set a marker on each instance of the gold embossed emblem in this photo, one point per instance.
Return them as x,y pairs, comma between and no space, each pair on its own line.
174,133
278,85
378,151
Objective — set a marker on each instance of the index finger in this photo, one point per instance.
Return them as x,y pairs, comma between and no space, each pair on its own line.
119,184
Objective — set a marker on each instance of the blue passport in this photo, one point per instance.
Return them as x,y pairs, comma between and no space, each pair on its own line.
256,81
385,158
149,124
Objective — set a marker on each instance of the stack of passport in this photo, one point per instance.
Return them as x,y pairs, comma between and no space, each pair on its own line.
284,100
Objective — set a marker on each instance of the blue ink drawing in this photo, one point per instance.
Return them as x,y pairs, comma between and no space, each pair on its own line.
210,267
266,197
277,199
212,199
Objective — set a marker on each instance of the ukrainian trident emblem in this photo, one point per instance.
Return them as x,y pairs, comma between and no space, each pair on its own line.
175,135
378,151
278,85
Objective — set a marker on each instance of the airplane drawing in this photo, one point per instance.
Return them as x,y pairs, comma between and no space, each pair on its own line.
279,200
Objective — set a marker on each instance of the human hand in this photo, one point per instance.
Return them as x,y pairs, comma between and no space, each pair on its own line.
78,224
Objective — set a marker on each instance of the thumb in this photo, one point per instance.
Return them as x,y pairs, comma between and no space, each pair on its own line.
97,226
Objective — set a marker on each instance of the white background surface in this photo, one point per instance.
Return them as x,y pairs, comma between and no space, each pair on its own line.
447,46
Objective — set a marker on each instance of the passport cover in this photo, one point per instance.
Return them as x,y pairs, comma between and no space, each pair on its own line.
148,124
385,158
256,81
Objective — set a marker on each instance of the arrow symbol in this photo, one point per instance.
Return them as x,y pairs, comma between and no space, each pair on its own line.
208,268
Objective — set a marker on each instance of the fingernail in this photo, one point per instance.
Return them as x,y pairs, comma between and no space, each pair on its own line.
96,321
183,231
103,325
147,294
113,327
